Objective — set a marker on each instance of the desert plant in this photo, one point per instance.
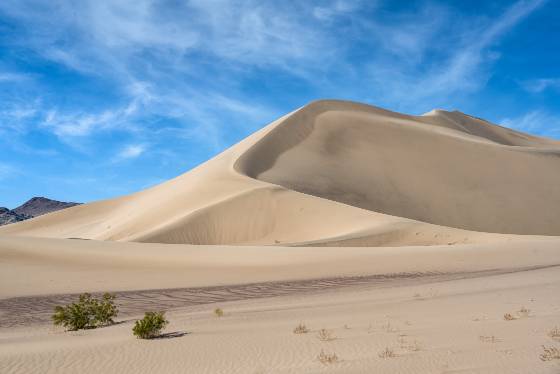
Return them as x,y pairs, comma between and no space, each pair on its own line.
325,335
218,312
327,358
554,333
150,326
550,353
387,353
508,317
301,329
105,310
87,313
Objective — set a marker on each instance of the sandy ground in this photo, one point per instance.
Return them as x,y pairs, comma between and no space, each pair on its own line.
35,266
447,326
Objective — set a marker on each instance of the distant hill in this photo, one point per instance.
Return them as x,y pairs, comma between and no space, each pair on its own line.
34,207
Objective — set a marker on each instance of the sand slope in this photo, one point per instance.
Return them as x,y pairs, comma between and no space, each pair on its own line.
341,173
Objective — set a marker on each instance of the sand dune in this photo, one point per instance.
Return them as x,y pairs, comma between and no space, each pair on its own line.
341,173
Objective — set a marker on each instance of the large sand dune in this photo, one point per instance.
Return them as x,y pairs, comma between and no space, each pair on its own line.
341,173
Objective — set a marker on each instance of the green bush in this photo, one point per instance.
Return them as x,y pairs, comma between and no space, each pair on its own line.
150,326
87,313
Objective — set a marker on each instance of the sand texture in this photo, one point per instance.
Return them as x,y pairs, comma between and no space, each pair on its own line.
409,235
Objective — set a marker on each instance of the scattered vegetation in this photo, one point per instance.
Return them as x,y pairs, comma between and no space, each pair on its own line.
301,329
218,312
387,353
87,313
150,326
327,358
554,333
550,353
325,335
521,313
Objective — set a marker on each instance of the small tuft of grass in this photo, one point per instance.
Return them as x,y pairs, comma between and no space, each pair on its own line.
550,353
301,329
509,317
387,353
218,312
554,333
327,358
325,335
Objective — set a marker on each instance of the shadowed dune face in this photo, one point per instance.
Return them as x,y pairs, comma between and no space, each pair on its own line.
443,168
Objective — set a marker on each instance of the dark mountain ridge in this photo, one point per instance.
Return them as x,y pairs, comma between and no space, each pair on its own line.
34,207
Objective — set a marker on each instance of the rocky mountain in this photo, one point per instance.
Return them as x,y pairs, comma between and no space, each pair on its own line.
34,207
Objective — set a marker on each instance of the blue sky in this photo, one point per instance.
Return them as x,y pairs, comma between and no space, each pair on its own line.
102,98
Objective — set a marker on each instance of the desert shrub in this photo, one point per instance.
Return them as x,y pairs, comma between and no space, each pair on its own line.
87,313
508,317
387,353
218,312
550,353
327,358
105,310
325,335
554,333
301,329
150,326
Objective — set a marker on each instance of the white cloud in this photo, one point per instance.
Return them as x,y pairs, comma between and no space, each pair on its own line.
331,10
80,124
540,85
13,77
188,62
537,122
459,51
131,151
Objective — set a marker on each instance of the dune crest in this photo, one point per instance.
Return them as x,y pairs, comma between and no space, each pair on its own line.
341,173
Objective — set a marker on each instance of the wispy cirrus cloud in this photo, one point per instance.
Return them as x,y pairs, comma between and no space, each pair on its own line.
131,151
541,84
101,80
464,66
535,122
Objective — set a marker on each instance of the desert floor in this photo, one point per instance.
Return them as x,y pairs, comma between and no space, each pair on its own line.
435,316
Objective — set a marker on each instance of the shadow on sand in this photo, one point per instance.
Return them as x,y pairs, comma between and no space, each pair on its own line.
171,335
